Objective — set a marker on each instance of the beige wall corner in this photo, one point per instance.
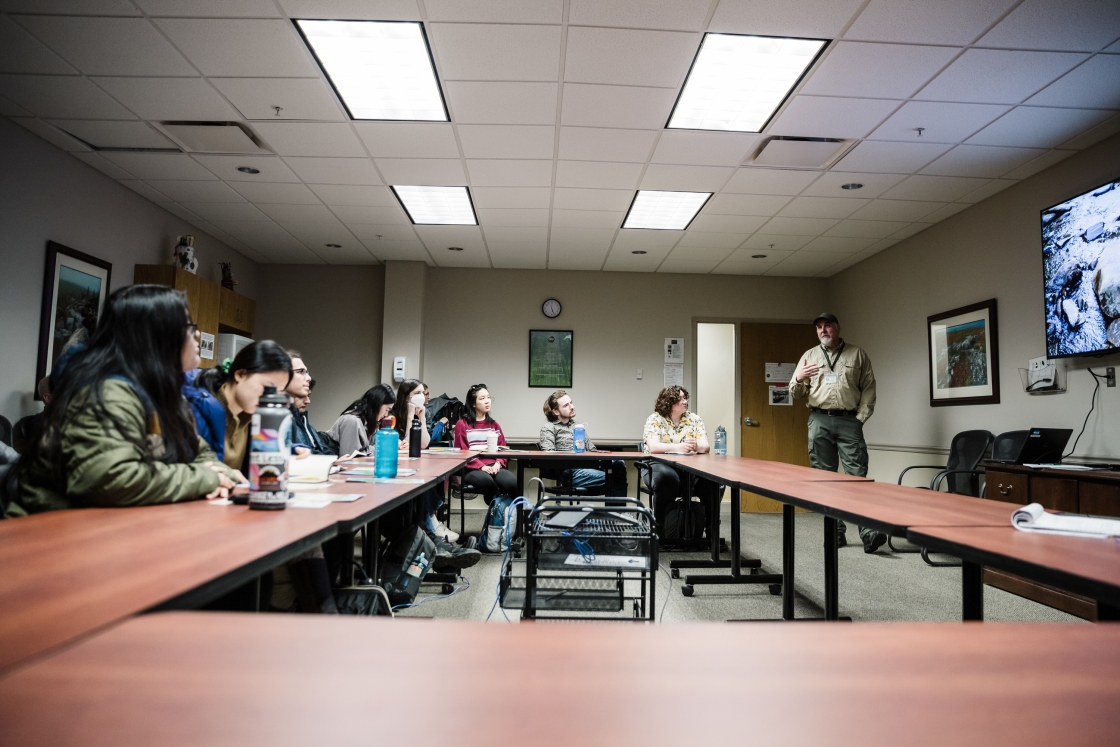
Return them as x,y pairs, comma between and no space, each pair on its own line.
403,319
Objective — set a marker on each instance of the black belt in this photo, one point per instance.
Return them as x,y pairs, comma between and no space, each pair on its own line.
835,412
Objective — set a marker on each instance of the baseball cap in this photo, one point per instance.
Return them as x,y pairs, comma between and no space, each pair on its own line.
828,316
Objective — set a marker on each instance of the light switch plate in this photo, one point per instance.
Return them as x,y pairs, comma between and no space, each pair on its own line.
639,374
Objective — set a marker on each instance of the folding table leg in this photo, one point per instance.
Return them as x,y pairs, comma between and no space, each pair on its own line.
972,591
736,563
787,560
1107,612
831,571
346,540
371,542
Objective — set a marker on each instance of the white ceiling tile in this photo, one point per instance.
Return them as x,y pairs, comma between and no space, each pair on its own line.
943,22
685,178
439,238
942,213
513,217
1114,48
145,191
1084,25
805,263
712,240
496,52
340,194
940,122
371,233
743,267
160,166
798,226
628,57
898,210
896,158
271,168
587,218
996,76
598,144
334,170
507,141
592,199
181,212
223,212
831,184
298,98
769,243
981,160
1094,84
209,8
408,139
276,192
591,238
408,251
575,257
22,53
380,215
508,173
521,255
72,7
484,102
318,139
597,175
1038,127
357,10
51,134
446,172
351,253
886,71
99,162
1094,135
511,197
242,48
736,204
910,230
770,181
185,99
1045,161
514,234
103,133
801,18
196,191
108,46
65,97
822,207
827,116
624,261
987,190
933,188
629,239
703,148
869,229
838,244
496,11
711,254
737,224
673,15
9,108
616,106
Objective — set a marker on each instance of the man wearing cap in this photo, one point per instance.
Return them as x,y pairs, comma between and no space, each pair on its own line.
839,384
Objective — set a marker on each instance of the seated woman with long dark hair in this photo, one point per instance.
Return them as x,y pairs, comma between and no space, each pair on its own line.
117,431
485,475
356,425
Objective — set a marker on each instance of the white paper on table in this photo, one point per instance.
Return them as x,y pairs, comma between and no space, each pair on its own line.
779,395
329,497
312,468
296,500
674,350
1034,518
1069,467
780,373
634,562
674,374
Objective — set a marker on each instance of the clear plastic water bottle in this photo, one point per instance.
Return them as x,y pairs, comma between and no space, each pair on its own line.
721,441
579,439
385,458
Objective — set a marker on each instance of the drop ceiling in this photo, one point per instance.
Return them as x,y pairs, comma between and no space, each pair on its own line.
558,111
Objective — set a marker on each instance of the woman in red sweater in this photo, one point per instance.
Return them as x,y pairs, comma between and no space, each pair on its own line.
486,475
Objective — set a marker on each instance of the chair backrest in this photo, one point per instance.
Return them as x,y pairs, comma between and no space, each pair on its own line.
965,453
1008,445
5,431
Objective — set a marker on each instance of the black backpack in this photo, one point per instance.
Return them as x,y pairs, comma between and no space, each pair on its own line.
405,564
675,523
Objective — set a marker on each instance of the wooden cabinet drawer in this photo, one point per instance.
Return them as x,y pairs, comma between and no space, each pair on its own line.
1098,499
1007,486
237,312
1054,493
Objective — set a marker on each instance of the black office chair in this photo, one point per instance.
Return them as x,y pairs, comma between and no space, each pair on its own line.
5,430
960,475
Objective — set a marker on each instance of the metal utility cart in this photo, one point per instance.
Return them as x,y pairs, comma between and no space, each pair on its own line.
602,563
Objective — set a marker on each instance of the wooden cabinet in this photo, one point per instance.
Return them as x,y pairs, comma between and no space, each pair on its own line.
237,313
202,295
1007,486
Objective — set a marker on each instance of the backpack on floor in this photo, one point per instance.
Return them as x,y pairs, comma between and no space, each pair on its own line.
675,523
405,563
493,537
363,598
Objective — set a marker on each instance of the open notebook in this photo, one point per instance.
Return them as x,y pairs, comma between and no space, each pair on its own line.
313,468
1034,518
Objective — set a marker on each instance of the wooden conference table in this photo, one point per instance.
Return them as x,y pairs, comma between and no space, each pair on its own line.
83,569
213,678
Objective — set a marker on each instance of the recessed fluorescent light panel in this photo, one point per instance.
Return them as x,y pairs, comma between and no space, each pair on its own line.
380,69
666,211
737,82
437,206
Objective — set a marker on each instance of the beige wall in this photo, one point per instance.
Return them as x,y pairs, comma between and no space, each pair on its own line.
477,326
47,194
333,315
403,318
992,249
715,397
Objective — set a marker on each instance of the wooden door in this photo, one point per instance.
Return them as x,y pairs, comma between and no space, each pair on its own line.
781,433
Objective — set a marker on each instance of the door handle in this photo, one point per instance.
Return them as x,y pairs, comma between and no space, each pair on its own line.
751,422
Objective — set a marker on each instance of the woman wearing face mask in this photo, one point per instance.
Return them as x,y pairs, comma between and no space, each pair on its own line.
355,426
410,406
485,475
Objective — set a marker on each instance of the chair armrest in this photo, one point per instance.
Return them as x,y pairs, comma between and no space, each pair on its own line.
940,476
919,466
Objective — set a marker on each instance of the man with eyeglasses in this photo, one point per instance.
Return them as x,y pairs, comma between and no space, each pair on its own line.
303,433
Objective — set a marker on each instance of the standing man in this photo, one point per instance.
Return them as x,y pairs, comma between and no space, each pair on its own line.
560,412
840,386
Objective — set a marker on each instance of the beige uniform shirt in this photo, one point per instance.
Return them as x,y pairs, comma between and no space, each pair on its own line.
852,388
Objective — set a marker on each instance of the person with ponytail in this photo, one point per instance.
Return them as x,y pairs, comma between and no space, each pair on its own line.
117,431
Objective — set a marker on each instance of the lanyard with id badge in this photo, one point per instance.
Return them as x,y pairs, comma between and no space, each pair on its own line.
831,377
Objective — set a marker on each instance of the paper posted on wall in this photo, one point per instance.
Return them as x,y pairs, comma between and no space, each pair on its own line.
779,395
674,374
674,350
206,345
780,373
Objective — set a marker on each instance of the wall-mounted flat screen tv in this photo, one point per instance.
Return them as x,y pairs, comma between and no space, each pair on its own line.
1081,270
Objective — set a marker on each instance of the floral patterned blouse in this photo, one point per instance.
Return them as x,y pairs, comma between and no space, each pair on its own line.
662,429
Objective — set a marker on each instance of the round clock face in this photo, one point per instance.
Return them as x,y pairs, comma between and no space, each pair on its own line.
551,308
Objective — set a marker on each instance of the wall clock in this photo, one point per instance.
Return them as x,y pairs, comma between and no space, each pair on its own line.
551,308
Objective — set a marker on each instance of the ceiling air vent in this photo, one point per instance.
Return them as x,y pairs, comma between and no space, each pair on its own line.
116,137
800,152
213,137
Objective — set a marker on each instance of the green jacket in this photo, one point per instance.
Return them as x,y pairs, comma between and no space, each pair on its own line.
104,467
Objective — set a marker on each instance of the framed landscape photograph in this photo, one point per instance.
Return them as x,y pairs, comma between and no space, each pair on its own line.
74,289
550,358
964,356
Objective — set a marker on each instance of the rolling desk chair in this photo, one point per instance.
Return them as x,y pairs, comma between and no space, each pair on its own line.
5,430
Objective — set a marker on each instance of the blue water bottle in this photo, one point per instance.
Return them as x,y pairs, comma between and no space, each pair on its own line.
385,445
721,441
579,439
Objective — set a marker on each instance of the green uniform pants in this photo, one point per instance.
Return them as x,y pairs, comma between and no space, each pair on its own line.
836,440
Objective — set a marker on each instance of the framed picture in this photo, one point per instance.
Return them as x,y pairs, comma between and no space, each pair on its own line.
550,358
74,289
964,356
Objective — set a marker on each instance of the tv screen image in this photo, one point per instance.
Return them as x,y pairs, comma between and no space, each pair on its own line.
1081,268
